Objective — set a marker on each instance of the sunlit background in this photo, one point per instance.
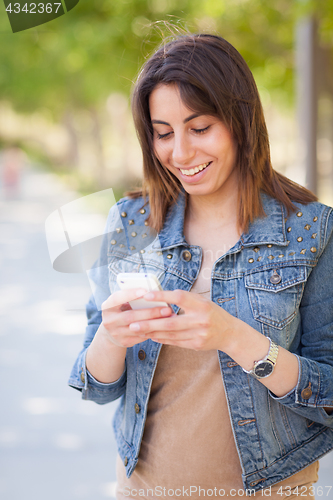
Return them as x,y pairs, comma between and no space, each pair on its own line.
66,131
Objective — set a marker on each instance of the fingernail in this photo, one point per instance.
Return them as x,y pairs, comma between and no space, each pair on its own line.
149,296
134,327
165,311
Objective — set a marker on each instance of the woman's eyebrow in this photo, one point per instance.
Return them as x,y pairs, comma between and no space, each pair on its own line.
191,117
188,119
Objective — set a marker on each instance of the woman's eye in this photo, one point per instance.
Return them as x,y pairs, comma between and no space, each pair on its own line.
201,130
162,136
195,130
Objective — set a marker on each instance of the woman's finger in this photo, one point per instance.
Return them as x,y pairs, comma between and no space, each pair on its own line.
126,315
121,336
121,297
185,300
172,323
133,316
188,343
171,337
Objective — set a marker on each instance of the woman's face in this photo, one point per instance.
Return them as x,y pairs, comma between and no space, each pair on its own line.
198,149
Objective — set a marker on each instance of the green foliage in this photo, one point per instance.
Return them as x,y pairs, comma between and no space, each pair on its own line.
77,60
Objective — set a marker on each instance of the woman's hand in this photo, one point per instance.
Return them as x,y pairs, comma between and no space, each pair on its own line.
105,358
117,315
204,325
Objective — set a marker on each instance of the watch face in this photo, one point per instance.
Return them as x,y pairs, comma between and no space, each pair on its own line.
263,369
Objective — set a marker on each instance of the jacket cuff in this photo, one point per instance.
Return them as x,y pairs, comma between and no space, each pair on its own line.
82,380
305,398
306,391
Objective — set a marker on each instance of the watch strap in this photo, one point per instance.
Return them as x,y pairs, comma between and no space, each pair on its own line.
271,357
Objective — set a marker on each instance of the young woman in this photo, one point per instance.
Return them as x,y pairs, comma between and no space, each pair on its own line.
231,387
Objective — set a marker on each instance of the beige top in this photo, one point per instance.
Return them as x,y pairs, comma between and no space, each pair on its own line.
188,440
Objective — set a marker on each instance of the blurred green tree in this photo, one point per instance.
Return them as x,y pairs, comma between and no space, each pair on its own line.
77,60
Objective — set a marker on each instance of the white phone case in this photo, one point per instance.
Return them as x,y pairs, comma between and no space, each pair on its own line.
128,281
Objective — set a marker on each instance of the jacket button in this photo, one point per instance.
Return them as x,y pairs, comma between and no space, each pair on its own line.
83,378
141,355
187,256
137,408
307,392
125,461
275,278
169,256
123,214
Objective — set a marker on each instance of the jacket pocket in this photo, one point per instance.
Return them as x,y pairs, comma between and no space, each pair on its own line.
275,293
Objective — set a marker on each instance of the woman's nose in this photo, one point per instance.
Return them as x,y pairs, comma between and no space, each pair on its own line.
183,150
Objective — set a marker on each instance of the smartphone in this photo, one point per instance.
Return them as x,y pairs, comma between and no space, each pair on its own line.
127,281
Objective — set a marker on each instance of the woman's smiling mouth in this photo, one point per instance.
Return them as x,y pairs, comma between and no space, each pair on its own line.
195,170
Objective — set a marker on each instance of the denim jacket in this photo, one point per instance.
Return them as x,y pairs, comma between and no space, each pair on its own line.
275,436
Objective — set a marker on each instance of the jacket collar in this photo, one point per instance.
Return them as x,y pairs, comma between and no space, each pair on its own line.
263,230
269,229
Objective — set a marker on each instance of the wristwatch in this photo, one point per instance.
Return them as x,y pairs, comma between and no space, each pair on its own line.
265,367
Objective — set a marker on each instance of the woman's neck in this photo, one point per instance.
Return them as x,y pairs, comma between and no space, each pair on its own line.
211,212
211,225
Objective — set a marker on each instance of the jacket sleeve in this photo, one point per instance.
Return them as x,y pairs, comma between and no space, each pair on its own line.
80,378
314,389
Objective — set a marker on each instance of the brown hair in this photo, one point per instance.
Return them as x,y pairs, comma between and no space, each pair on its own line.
212,78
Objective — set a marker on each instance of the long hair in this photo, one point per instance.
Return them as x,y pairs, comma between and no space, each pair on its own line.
213,79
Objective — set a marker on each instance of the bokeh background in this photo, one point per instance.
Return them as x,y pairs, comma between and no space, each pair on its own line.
66,131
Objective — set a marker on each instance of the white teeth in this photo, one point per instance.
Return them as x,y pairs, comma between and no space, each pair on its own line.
194,170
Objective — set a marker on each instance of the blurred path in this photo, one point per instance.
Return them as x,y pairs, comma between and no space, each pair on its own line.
53,445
